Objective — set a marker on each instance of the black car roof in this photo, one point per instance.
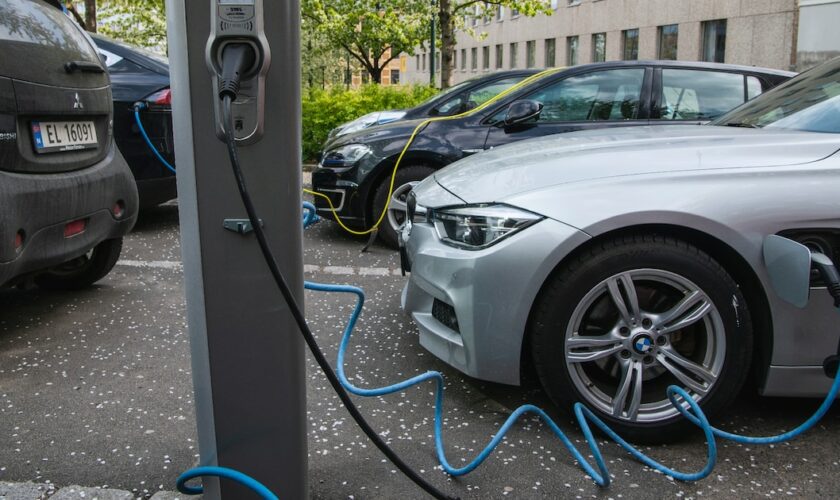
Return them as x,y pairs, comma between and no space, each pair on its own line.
133,54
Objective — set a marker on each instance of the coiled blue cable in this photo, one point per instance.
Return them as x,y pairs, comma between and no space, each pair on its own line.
137,107
599,473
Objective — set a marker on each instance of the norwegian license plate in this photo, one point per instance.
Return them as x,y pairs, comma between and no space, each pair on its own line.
52,137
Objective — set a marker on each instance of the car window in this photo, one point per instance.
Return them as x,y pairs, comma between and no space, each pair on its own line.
701,95
476,97
753,87
601,95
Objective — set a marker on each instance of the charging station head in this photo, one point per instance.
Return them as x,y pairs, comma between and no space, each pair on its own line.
789,268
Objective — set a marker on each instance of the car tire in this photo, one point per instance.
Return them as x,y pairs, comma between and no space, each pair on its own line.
83,271
605,352
406,178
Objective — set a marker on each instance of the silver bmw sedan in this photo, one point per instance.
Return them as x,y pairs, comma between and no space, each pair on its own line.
615,263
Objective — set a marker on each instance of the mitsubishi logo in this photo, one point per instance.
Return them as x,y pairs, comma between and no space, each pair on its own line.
77,102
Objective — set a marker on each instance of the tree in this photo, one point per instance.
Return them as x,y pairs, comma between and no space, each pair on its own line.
138,22
90,15
373,32
452,15
321,63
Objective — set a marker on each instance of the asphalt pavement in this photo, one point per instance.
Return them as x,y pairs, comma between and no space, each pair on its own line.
95,390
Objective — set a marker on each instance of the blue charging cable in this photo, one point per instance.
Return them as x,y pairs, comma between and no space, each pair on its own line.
585,417
138,106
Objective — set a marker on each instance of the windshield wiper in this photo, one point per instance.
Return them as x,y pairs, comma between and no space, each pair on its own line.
742,125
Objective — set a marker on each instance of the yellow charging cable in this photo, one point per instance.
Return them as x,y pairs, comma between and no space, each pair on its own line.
417,129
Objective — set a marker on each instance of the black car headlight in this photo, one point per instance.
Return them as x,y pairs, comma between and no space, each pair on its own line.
475,227
345,157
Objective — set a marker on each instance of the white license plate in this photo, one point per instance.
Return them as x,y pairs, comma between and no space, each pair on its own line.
51,137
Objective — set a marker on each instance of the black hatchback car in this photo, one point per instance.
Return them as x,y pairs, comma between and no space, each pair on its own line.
140,76
67,197
355,169
456,99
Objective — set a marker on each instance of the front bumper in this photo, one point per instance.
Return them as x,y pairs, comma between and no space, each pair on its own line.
344,195
40,205
490,290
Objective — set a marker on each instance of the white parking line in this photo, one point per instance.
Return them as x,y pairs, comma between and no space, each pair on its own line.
307,268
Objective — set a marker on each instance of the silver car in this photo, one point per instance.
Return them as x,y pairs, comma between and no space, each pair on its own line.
618,262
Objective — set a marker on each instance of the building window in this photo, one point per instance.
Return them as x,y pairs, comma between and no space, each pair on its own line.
630,44
395,77
599,47
571,50
474,54
424,62
714,41
500,12
553,4
531,53
573,2
668,42
437,62
514,48
500,57
417,62
463,59
514,13
485,57
550,57
454,59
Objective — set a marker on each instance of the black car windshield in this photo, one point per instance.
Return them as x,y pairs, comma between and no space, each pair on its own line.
809,102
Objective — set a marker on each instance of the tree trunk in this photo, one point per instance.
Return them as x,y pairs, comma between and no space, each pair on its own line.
375,74
90,15
447,43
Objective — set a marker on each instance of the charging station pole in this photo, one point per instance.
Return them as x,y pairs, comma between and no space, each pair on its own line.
248,361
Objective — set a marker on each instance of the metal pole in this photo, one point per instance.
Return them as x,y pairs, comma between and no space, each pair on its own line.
248,361
432,45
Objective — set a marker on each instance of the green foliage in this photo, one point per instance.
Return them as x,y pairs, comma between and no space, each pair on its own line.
368,29
324,110
137,22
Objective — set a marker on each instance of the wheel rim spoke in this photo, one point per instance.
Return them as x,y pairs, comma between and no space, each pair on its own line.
593,348
623,294
397,204
630,386
691,309
686,370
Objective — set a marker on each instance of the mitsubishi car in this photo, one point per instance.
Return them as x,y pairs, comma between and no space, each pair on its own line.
614,263
67,197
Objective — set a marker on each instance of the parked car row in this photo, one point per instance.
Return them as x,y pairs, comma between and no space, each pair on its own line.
67,193
614,263
355,168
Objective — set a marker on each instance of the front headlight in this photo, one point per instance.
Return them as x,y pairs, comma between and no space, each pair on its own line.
479,226
345,157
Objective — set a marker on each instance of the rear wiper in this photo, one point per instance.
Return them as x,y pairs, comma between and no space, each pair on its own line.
742,125
83,66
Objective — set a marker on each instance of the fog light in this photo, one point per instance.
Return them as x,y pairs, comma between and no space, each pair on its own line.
20,236
118,209
75,227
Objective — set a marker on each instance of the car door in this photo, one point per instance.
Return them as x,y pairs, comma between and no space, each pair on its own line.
693,96
611,97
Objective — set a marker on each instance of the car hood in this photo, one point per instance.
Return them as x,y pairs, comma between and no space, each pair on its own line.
523,166
400,129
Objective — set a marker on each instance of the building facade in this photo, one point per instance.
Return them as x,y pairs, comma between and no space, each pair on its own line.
769,33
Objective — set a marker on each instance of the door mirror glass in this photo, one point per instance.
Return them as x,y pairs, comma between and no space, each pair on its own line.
522,111
789,268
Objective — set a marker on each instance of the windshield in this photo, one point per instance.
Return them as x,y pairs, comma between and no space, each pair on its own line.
809,102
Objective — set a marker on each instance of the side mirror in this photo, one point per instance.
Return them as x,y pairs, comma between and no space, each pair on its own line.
522,111
789,268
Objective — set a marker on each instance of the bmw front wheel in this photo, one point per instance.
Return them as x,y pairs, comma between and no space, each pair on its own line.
620,323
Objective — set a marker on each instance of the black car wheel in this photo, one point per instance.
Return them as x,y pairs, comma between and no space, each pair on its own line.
620,323
83,271
406,178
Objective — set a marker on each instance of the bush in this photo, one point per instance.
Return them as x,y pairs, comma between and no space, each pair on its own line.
324,110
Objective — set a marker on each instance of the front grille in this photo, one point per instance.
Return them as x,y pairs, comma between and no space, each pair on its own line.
445,313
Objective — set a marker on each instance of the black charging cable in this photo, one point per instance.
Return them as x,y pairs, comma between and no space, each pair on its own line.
227,93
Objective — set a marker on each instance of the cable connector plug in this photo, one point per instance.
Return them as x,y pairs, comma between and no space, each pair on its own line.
237,58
